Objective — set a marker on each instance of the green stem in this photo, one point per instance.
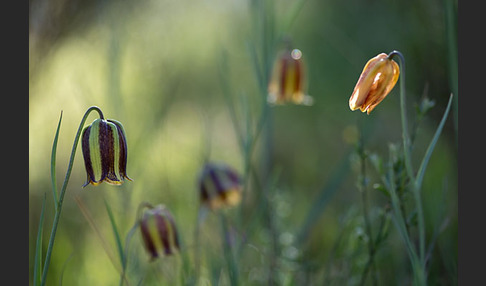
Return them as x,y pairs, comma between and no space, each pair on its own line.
364,199
408,162
403,105
228,251
399,220
63,192
197,248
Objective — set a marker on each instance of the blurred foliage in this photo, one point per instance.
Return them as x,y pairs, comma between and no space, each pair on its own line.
156,67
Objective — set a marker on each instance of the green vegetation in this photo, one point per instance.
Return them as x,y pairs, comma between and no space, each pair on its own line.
330,196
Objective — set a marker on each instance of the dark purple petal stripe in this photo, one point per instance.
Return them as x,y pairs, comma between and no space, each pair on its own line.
149,244
162,227
86,156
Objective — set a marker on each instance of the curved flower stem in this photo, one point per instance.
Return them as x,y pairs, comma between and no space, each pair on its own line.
405,136
408,161
63,192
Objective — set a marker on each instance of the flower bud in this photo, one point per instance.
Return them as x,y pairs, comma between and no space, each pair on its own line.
287,83
104,148
159,232
377,79
219,186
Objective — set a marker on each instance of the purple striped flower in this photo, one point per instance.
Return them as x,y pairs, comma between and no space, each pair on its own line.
159,232
104,146
219,186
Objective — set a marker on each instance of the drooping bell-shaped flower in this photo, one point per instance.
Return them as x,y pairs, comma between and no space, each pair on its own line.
288,79
219,186
377,79
104,148
159,232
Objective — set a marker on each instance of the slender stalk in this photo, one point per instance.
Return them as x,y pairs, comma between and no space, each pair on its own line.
403,105
371,262
364,200
228,250
408,164
57,215
197,248
38,246
398,219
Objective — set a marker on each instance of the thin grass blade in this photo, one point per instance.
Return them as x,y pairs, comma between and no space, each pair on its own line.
430,149
64,268
53,163
294,12
38,247
116,233
119,246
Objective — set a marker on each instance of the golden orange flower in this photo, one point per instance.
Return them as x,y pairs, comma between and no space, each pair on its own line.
377,79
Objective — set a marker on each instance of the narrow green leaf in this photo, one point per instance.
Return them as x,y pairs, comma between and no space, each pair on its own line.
292,15
64,268
38,247
399,219
430,149
53,163
256,66
117,234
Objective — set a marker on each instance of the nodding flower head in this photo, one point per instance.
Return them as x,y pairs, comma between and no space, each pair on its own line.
159,232
377,79
219,186
288,81
104,148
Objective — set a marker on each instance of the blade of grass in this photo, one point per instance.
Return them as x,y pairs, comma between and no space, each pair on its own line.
292,16
119,245
38,247
256,66
116,234
53,163
224,74
64,268
430,149
451,26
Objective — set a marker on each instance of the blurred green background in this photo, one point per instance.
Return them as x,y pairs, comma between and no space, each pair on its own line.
160,68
